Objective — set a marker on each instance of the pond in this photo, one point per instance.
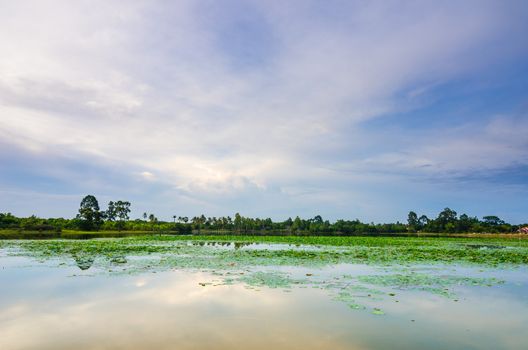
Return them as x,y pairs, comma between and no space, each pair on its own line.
178,294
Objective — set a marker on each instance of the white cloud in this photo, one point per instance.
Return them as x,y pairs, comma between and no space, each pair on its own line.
460,151
148,176
152,85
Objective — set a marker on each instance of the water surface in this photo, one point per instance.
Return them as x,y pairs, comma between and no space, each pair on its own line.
53,303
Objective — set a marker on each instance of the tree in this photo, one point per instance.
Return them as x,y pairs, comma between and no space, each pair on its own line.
446,221
464,223
317,219
8,220
89,214
492,220
288,224
111,212
238,221
446,216
297,224
152,220
412,221
423,220
122,209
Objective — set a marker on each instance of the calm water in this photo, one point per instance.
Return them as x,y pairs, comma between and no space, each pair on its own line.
52,305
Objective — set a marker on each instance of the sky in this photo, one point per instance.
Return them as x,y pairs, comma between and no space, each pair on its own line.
345,109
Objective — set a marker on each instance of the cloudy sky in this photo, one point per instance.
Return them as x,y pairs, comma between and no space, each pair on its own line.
348,109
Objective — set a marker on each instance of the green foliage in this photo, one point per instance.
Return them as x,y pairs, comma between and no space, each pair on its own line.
492,220
116,218
110,213
8,220
448,222
122,209
89,215
169,251
412,221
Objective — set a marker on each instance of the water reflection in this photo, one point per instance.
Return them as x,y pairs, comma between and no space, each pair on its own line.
43,308
236,245
83,262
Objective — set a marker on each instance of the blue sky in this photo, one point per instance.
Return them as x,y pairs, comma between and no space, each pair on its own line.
348,109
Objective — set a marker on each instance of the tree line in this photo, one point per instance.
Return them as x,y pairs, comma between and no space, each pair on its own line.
91,217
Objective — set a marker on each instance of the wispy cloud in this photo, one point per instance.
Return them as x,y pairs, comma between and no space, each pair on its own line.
256,106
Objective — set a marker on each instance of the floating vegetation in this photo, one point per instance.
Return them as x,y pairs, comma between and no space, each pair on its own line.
313,251
83,262
118,260
357,291
268,279
377,311
485,246
437,284
242,261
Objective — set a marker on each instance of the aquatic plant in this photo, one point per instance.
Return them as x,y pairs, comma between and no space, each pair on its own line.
253,261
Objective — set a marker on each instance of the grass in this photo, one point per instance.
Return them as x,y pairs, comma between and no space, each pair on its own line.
70,234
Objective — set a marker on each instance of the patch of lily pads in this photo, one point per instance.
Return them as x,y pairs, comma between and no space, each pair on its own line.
257,266
288,251
436,284
362,291
268,279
